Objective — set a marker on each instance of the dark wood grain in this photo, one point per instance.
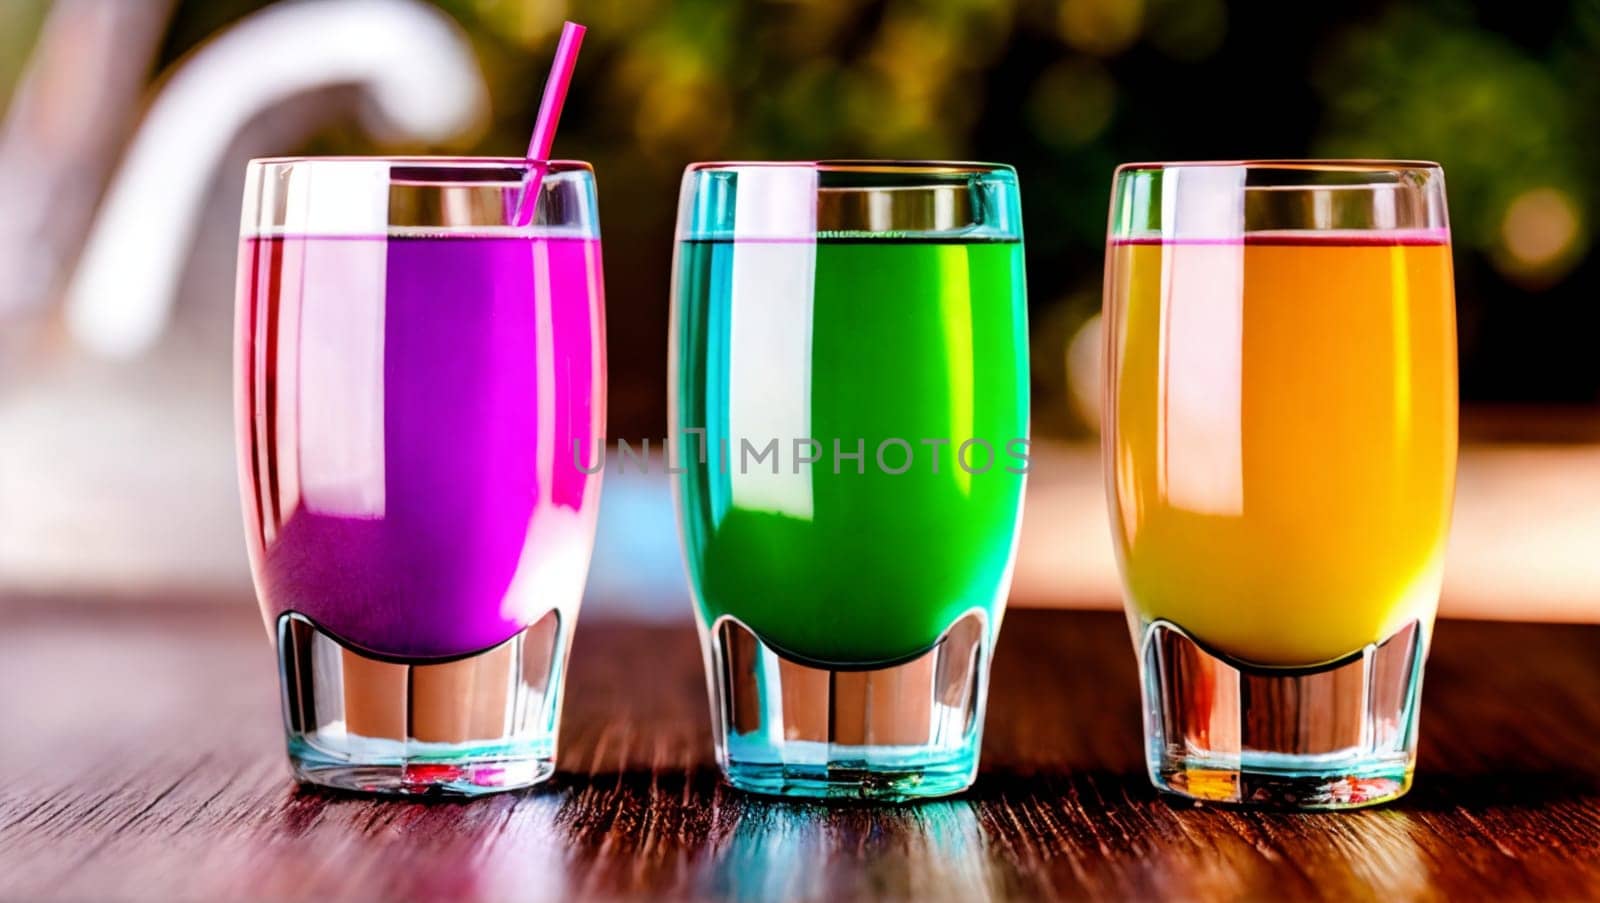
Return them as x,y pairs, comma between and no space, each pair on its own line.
141,750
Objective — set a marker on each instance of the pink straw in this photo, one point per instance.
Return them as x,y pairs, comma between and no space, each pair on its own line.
555,91
544,127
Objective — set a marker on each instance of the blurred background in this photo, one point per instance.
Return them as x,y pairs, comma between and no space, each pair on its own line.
125,126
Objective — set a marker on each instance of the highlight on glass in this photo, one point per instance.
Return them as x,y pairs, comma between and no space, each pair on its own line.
418,349
849,416
1280,457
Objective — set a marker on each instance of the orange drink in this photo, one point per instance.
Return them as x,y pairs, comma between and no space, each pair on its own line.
1284,455
1280,449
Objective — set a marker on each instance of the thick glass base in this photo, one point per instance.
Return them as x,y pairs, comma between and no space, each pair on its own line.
478,724
1337,736
907,731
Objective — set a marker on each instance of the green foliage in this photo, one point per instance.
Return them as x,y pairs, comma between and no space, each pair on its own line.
1500,120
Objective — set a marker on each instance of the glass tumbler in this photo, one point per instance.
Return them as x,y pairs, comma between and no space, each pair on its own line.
849,427
1280,450
419,358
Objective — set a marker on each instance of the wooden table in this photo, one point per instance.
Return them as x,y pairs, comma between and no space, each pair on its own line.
142,760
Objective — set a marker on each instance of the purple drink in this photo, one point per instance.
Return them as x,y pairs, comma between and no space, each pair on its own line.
407,410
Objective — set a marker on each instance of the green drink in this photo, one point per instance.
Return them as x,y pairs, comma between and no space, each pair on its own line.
849,435
917,341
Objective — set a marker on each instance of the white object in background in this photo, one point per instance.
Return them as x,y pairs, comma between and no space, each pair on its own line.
412,59
68,119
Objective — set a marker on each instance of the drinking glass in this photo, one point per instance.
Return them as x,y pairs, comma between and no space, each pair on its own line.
419,360
849,428
1280,402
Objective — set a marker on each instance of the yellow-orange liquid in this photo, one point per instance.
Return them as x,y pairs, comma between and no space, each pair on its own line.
1282,437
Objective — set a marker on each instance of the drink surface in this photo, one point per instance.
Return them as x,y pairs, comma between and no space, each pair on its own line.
855,342
406,409
1283,436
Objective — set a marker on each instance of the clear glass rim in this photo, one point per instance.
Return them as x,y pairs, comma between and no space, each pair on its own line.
906,167
1325,164
364,196
427,162
1222,201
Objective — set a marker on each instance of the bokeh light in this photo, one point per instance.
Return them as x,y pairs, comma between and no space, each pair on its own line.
1085,374
1100,27
1539,233
527,23
1072,103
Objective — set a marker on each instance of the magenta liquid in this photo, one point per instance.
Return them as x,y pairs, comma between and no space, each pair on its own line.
410,406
